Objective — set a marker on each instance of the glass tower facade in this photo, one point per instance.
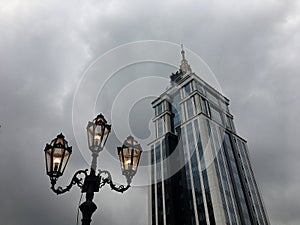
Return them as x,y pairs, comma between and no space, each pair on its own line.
201,173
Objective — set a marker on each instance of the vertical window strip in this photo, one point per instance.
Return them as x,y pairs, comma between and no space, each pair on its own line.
202,169
191,219
190,108
219,167
153,185
176,110
164,165
231,200
196,176
237,180
234,214
256,188
250,179
160,203
152,164
204,106
160,213
197,104
165,179
158,162
206,186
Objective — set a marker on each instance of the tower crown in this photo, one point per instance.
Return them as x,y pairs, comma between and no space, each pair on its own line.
184,66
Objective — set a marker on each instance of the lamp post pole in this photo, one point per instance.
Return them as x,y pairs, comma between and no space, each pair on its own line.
91,183
57,154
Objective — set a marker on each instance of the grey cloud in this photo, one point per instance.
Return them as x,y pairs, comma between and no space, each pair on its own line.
45,46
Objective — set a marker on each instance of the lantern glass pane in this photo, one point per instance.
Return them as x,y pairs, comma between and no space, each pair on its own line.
121,159
136,158
127,158
105,136
65,161
48,160
90,132
98,136
57,158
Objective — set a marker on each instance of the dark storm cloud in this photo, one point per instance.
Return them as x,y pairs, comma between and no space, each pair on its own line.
252,46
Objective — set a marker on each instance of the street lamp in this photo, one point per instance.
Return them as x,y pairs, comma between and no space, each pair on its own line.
97,131
129,155
58,152
57,155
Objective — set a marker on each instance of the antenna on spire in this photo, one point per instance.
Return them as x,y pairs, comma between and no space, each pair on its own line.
184,67
182,52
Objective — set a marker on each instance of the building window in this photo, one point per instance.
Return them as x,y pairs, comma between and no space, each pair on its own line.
176,118
176,111
199,88
152,154
212,98
229,123
190,108
159,127
187,89
152,163
158,161
159,109
204,106
216,115
163,149
157,152
224,106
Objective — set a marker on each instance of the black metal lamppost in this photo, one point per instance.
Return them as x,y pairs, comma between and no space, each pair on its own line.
58,152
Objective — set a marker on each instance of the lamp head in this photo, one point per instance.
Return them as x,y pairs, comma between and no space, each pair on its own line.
129,155
57,155
97,132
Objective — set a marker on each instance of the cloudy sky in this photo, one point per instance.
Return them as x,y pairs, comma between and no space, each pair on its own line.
47,47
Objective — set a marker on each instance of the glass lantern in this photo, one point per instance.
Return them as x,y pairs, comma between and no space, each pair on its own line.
57,155
97,132
129,155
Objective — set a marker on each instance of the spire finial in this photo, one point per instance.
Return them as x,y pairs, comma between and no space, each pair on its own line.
184,67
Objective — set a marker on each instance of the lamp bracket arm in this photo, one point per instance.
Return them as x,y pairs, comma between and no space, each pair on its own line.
107,179
76,180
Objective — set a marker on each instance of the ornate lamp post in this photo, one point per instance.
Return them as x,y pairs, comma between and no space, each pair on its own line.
58,152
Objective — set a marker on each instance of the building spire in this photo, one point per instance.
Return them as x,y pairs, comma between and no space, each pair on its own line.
184,67
182,52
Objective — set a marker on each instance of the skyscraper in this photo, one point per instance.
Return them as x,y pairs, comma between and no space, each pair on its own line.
201,173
